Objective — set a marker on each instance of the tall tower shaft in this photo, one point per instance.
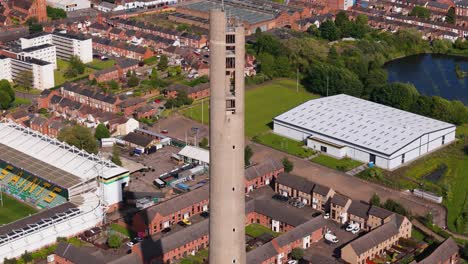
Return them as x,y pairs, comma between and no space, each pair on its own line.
227,199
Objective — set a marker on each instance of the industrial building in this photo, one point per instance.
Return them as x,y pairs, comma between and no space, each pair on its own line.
69,5
346,126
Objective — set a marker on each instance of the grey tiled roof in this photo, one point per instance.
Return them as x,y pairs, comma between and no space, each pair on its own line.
442,253
377,236
75,255
359,209
261,169
295,182
277,211
322,190
340,200
379,212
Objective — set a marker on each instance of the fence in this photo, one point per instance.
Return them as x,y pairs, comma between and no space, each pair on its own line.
427,195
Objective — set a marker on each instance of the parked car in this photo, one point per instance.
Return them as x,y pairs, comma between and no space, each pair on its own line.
350,227
166,230
205,214
316,214
137,239
130,244
280,198
300,205
355,230
326,215
331,238
293,261
164,131
186,222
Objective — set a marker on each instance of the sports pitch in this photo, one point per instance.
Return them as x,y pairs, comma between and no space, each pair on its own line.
13,210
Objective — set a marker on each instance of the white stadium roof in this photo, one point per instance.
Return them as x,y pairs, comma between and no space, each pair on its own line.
195,153
360,122
51,159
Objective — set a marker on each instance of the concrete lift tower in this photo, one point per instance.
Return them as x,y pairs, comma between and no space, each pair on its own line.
227,200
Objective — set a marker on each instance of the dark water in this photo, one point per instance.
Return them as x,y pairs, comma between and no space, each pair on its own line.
432,75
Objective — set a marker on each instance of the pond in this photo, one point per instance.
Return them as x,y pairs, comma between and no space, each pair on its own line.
432,74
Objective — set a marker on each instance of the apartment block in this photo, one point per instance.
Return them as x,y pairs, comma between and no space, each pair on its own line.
45,52
36,39
5,68
68,45
42,72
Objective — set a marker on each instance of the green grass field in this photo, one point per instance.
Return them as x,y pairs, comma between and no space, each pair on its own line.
344,164
62,67
262,104
100,64
13,210
452,185
256,230
284,144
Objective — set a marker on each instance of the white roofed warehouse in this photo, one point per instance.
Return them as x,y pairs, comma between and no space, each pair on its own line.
346,126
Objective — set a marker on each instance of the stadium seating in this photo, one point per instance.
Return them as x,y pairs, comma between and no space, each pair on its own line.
31,189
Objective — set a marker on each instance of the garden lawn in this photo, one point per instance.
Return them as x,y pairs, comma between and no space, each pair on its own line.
256,230
262,103
344,164
284,144
124,231
417,235
100,64
197,258
62,67
13,210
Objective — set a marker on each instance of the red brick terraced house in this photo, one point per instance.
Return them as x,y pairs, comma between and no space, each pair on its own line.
279,249
158,217
196,92
121,48
117,72
130,105
174,246
262,174
88,96
462,8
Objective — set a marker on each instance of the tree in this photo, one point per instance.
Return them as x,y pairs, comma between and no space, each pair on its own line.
10,261
329,31
428,219
287,164
56,13
203,143
465,250
34,26
25,79
248,153
133,80
6,86
421,12
80,137
374,80
267,43
5,100
422,106
76,63
27,257
451,16
398,95
163,63
116,155
297,253
181,99
375,199
394,206
113,85
101,132
114,241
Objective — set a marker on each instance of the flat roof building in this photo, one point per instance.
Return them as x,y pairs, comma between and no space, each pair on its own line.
346,126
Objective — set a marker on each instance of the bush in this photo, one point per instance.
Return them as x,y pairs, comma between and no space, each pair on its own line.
26,257
10,261
114,241
288,165
297,253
